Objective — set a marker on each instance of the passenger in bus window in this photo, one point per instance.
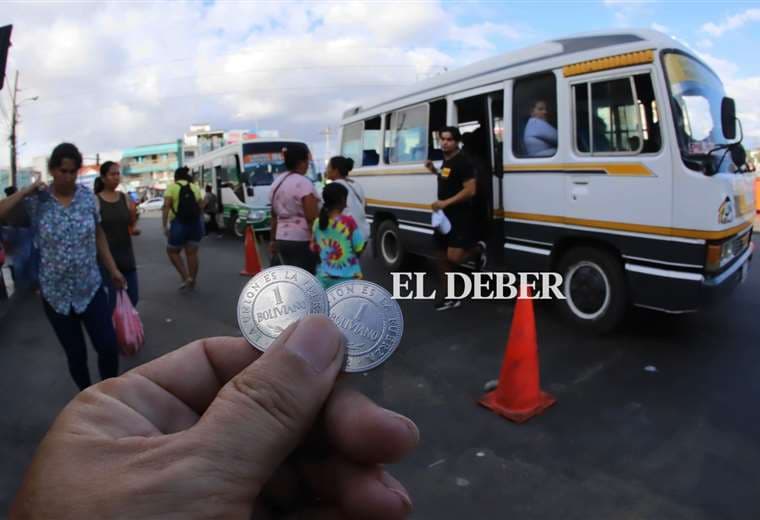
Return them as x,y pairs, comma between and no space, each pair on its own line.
456,190
540,137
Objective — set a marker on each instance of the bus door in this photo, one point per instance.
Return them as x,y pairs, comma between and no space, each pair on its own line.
617,151
479,115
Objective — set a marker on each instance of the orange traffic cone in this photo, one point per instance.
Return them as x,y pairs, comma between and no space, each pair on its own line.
252,261
518,396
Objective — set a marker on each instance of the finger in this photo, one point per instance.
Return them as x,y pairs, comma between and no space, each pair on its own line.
195,373
365,432
361,491
264,412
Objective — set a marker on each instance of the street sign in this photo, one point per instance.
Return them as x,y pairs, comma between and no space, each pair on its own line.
5,44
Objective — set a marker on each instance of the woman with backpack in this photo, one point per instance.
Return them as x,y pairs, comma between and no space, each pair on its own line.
117,215
183,209
295,206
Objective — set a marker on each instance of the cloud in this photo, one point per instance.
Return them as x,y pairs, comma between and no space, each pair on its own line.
732,22
659,27
116,75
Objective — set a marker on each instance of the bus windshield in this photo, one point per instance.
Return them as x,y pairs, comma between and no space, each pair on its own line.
263,161
696,93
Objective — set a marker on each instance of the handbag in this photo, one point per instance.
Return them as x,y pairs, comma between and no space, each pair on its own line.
127,324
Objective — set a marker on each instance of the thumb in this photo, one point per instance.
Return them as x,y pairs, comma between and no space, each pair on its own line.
261,415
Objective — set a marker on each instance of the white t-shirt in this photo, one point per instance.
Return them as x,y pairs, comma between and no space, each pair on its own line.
355,205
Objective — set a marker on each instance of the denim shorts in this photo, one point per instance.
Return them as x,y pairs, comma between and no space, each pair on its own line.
185,234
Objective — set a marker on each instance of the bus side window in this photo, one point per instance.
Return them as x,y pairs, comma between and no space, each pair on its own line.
352,142
648,113
409,134
371,142
615,125
534,116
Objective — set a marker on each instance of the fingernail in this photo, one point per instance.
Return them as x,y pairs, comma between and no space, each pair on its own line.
406,421
317,341
397,488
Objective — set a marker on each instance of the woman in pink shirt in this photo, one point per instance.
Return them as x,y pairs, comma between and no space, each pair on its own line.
294,209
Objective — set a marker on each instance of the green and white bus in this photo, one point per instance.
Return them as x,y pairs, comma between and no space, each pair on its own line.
241,175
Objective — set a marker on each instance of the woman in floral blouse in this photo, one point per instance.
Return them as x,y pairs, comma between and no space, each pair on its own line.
67,231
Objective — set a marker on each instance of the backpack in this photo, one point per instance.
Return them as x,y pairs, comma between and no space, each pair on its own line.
188,209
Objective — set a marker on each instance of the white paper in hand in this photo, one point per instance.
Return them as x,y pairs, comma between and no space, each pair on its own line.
440,222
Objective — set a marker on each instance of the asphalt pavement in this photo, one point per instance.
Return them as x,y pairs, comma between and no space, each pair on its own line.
658,421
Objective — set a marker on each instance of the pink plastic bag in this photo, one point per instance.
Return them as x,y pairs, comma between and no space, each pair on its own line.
126,321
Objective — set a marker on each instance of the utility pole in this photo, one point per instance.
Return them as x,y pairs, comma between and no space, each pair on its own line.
327,133
14,120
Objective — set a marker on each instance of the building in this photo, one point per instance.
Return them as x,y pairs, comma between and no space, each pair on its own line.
23,177
150,167
201,139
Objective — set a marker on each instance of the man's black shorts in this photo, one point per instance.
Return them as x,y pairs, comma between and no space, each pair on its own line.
461,235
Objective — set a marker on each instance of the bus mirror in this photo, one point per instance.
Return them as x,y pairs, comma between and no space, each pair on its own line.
728,118
249,191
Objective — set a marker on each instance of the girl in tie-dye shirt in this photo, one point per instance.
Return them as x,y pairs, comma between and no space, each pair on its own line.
337,239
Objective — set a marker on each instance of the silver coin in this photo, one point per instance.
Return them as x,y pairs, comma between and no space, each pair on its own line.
370,319
275,298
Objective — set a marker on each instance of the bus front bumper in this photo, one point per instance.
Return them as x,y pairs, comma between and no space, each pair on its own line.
680,292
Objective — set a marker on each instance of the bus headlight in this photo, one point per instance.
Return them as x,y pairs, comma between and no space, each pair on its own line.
257,215
721,254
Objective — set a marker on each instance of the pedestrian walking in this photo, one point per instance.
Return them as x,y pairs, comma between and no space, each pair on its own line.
118,217
71,239
183,206
22,254
456,189
338,168
211,204
337,239
295,206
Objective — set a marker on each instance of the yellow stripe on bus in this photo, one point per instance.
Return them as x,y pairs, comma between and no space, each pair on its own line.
616,169
624,226
608,63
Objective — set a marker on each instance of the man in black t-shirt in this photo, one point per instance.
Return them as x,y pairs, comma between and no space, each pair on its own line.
456,189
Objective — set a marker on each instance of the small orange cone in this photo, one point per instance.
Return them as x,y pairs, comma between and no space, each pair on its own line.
252,261
518,396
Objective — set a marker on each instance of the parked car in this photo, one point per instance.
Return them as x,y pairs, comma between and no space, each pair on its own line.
154,204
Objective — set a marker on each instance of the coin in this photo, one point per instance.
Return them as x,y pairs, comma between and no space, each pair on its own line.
275,298
370,319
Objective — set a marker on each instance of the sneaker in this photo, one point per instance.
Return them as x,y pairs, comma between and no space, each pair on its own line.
448,304
483,260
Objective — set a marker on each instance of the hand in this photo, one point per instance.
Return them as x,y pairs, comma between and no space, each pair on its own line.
216,429
439,204
34,187
430,166
118,280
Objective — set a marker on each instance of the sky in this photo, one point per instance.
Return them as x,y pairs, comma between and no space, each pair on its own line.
112,75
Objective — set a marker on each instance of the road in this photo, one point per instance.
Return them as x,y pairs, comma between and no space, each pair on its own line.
680,442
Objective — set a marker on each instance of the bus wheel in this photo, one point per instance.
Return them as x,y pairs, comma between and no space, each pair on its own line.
595,289
239,227
389,245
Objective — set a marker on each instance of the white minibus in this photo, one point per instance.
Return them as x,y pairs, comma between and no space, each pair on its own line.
631,180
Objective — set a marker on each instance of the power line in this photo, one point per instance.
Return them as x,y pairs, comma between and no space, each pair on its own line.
245,91
80,93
